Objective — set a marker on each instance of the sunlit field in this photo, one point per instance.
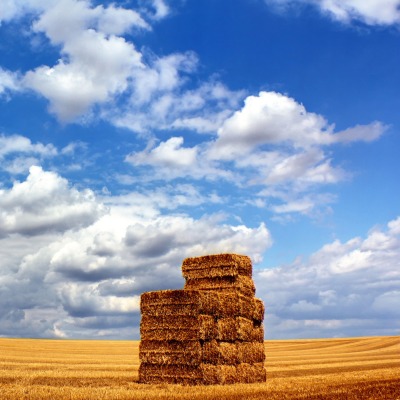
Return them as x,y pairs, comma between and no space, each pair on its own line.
352,368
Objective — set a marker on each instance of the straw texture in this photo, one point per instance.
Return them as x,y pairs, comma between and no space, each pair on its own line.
240,284
216,266
210,332
170,352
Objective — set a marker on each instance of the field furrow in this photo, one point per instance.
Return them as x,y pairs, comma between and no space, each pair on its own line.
333,369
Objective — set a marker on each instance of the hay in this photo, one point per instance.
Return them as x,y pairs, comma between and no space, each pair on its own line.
179,328
227,329
257,335
251,373
150,322
214,352
218,374
219,265
185,374
250,352
233,329
258,311
240,284
179,302
210,332
170,352
208,328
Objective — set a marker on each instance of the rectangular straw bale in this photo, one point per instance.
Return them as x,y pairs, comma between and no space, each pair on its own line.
244,328
239,284
179,328
251,373
218,374
250,352
169,302
232,329
150,322
214,352
218,265
167,296
257,334
235,305
207,327
258,310
179,302
153,373
227,329
174,380
170,352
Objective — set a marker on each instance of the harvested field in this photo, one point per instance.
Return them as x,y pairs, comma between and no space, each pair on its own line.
332,369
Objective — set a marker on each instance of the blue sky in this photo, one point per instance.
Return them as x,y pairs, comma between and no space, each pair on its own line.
134,134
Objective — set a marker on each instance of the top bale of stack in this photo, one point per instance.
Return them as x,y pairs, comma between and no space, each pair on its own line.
217,266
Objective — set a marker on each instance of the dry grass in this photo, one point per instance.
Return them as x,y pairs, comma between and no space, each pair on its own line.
333,369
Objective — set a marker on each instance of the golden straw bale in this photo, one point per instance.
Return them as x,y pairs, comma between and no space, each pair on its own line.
169,334
232,329
250,352
167,296
153,373
174,380
244,328
179,302
218,374
207,327
239,284
218,265
235,305
251,373
170,352
214,352
227,329
179,328
150,322
258,310
257,334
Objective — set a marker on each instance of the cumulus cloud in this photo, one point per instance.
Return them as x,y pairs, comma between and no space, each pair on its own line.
372,12
17,144
341,290
96,64
9,81
271,142
273,118
45,202
82,270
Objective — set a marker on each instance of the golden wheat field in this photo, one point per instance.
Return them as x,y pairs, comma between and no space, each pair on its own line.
351,368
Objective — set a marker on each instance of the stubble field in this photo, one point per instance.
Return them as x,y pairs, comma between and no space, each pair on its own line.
351,368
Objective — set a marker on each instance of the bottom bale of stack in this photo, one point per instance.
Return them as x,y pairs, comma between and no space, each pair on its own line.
170,352
203,374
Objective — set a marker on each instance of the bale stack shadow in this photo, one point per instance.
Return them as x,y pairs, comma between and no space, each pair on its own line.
211,332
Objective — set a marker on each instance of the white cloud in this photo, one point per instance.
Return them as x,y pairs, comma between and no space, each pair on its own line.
45,202
161,9
268,119
344,289
366,133
271,142
168,155
14,144
9,81
82,270
96,65
371,12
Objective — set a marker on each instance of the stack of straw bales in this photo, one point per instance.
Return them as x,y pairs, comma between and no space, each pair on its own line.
211,332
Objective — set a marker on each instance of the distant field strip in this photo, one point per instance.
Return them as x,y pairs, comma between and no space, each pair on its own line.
350,368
